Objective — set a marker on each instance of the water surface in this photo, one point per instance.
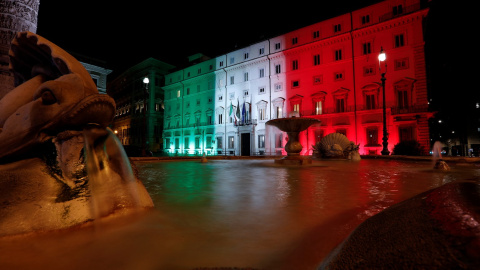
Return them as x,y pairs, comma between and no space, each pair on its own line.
235,213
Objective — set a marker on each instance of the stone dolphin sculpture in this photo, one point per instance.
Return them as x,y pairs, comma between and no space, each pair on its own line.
54,94
43,122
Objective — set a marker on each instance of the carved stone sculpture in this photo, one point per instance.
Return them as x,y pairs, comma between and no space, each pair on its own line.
337,145
43,179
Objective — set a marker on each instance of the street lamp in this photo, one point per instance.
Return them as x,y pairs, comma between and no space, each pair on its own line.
382,57
144,137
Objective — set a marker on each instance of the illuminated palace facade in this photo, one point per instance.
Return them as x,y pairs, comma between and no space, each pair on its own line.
328,71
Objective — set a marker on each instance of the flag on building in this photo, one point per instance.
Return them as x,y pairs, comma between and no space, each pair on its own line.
243,113
238,111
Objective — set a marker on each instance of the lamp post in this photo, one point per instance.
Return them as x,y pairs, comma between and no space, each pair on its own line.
144,137
382,57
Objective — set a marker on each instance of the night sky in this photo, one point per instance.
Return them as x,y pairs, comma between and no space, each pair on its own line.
123,35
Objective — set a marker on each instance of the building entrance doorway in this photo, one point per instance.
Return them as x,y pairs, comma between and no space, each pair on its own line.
245,144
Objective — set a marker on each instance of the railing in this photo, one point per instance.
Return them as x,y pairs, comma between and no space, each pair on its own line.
246,122
328,111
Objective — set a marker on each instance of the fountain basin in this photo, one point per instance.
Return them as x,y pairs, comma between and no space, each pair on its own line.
293,126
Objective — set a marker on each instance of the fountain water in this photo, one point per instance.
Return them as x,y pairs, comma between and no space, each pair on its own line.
293,126
111,179
437,157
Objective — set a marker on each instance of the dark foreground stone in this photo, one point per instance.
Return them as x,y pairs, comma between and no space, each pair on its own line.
438,229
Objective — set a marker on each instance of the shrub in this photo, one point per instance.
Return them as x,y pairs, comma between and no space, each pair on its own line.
409,148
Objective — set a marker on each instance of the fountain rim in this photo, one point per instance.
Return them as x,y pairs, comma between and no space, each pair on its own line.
273,122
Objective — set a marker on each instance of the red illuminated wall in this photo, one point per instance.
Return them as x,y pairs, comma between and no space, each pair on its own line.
335,62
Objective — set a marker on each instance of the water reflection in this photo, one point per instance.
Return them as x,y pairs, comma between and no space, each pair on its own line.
237,213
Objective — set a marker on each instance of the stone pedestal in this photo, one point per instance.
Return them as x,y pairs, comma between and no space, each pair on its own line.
15,16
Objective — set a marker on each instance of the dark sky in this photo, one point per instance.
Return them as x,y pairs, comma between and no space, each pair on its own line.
123,35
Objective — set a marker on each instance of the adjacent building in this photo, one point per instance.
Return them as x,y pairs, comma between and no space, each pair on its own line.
139,98
329,71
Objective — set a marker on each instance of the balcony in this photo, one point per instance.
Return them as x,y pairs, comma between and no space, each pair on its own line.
410,109
246,122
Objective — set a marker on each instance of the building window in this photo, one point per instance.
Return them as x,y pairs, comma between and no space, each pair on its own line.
402,98
277,46
337,28
296,107
370,101
369,70
186,143
245,56
178,93
372,136
219,142
316,60
261,114
231,142
397,10
278,69
318,107
245,76
340,104
294,64
197,142
367,48
338,55
295,84
338,76
278,87
261,90
279,140
261,141
278,112
232,79
316,34
399,40
220,118
401,64
262,73
261,51
294,40
221,64
318,79
232,60
365,19
406,133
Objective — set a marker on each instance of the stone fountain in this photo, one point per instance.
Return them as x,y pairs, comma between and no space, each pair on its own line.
60,166
293,126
